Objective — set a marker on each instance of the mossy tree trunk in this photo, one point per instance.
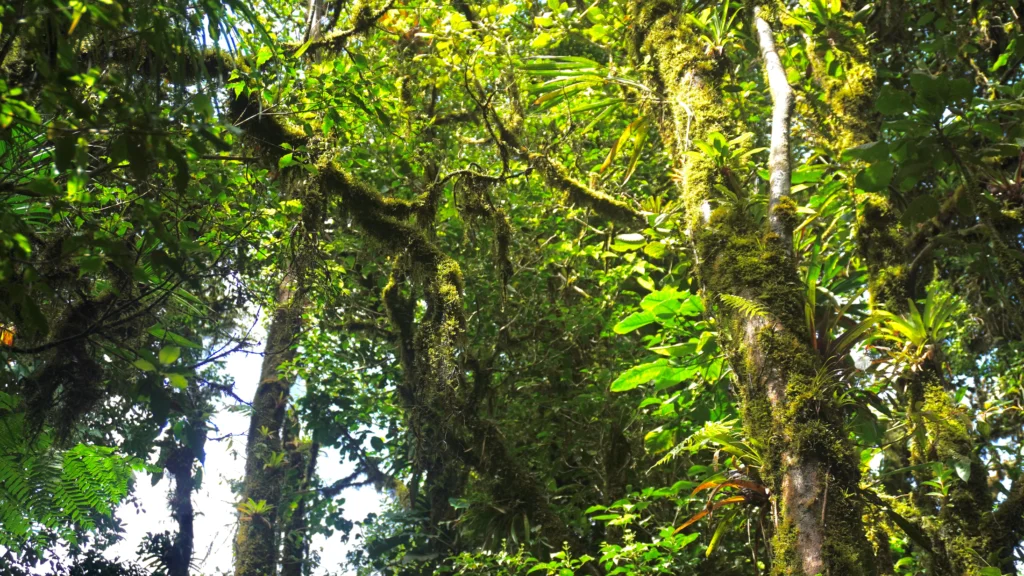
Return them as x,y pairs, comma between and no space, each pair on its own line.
786,394
179,557
962,528
256,546
302,457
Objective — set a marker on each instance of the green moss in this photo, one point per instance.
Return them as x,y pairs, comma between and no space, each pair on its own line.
266,133
785,210
787,401
850,98
881,243
556,176
690,79
736,258
963,529
784,549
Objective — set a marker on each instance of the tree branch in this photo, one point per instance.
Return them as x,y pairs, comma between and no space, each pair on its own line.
779,157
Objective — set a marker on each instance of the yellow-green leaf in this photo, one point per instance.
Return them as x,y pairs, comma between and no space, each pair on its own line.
169,354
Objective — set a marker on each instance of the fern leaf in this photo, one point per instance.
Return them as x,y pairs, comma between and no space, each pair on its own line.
748,308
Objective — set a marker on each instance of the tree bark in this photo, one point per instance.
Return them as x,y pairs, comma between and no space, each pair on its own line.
295,547
786,395
779,153
179,464
256,543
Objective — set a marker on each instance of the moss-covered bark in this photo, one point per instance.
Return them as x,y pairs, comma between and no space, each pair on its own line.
961,527
441,405
302,457
179,558
961,531
785,392
256,540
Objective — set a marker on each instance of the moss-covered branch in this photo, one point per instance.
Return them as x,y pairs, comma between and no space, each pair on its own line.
556,176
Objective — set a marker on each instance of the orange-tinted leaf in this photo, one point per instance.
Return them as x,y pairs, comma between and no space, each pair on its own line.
704,486
729,500
744,484
692,519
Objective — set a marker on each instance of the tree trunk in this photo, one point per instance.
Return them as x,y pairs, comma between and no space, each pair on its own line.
179,464
295,546
786,394
256,543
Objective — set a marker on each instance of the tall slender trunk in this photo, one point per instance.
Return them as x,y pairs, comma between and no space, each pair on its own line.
295,545
179,464
256,543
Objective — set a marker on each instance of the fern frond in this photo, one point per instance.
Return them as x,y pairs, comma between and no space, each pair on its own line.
746,307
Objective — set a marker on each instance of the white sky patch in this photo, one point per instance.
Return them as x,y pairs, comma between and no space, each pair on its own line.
214,503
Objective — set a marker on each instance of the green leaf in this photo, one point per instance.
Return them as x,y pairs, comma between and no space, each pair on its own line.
719,531
676,350
162,334
634,321
285,161
655,249
302,49
875,177
144,365
178,381
1004,58
263,55
705,337
661,298
641,374
962,466
628,242
168,354
377,443
43,187
870,152
542,40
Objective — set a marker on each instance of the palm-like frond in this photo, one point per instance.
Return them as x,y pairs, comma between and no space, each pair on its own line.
44,490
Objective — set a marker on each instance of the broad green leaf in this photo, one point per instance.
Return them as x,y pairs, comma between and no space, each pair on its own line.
875,177
634,321
676,350
641,374
628,242
168,354
162,334
893,102
870,152
962,466
542,40
263,55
